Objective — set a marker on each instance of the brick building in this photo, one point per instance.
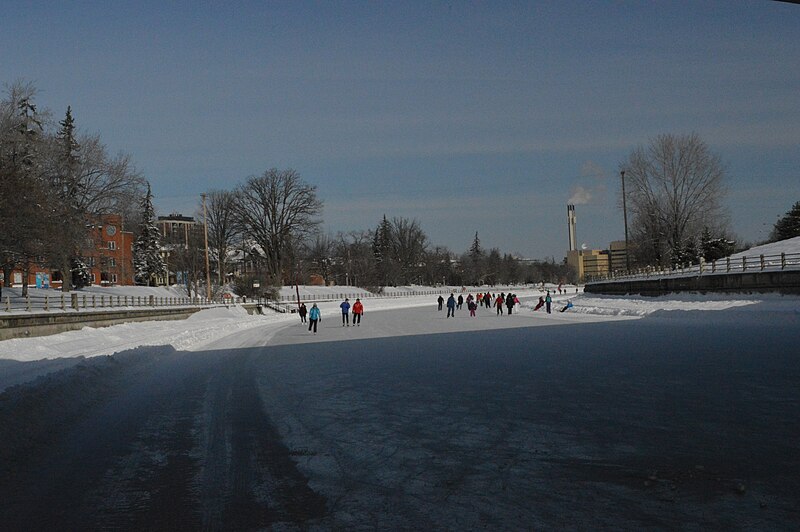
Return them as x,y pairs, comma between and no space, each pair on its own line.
108,254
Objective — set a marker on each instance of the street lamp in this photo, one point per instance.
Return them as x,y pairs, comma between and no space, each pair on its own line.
625,217
205,235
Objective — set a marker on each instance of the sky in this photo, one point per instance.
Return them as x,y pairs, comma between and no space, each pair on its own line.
485,117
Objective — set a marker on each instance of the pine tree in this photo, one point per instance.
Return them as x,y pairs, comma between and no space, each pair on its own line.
714,248
70,221
382,251
148,264
475,251
788,226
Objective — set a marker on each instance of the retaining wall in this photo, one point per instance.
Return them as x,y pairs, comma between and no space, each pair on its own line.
42,324
783,282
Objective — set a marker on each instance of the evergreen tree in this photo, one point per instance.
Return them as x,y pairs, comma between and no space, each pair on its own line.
714,248
382,251
148,264
475,251
70,221
788,226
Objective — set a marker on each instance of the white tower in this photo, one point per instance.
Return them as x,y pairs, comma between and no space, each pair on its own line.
571,225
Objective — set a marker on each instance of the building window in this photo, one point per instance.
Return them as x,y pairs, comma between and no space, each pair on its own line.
114,278
112,263
112,245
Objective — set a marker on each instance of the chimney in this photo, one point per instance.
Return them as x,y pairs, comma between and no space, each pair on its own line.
571,225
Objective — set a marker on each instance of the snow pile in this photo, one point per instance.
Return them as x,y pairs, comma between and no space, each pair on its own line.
788,246
191,333
641,306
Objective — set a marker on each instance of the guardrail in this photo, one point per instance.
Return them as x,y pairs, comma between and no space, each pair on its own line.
752,263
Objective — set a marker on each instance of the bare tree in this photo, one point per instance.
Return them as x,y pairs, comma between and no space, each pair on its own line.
222,228
410,245
277,210
675,188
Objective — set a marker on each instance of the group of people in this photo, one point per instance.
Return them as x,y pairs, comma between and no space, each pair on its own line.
481,299
498,301
315,317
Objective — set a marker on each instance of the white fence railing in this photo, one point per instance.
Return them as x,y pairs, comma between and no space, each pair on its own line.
90,302
364,295
745,263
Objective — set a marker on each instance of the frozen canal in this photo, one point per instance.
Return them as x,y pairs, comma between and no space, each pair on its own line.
414,421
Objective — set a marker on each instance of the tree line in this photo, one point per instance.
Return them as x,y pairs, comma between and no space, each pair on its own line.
273,221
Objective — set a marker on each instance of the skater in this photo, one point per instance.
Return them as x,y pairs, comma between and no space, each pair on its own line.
451,306
441,301
313,318
539,305
510,303
547,301
487,300
568,305
302,311
345,306
499,304
472,308
358,310
460,301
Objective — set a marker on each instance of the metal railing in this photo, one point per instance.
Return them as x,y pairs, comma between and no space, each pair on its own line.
741,264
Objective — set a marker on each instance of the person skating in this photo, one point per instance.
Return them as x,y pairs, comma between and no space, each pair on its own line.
460,301
358,310
568,305
345,306
548,301
510,303
440,301
498,303
302,311
313,317
451,306
472,306
540,304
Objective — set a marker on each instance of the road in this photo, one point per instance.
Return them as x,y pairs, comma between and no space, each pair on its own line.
413,421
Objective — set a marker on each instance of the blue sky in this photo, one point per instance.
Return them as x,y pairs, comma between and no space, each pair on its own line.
468,116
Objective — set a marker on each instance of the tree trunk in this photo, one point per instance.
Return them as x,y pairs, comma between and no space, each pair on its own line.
66,276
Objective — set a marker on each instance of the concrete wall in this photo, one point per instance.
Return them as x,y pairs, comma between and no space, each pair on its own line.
22,326
783,282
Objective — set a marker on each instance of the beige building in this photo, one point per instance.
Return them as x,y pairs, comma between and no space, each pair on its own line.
589,263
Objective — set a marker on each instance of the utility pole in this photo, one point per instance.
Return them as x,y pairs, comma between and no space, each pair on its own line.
625,217
205,233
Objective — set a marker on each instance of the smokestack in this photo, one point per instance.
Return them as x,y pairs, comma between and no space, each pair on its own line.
571,225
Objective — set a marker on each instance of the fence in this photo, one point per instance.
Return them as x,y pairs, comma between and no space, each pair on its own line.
316,298
84,302
79,302
760,263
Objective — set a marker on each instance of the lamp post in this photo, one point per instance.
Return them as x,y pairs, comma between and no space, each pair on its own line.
205,234
625,217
